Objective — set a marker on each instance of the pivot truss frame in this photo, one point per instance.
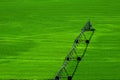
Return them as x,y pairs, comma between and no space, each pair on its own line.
73,58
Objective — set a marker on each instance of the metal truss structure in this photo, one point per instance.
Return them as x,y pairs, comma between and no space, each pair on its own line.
77,52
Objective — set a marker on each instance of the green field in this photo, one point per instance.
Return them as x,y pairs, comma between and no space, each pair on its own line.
36,35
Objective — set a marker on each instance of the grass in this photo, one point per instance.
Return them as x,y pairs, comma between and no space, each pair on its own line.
36,35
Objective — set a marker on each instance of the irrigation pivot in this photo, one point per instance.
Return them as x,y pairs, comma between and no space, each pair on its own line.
76,53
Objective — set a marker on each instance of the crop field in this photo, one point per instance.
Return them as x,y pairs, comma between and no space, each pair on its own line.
36,35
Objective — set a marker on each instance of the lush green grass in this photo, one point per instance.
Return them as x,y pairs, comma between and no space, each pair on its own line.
36,35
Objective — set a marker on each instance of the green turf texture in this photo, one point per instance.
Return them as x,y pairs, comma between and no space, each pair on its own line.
36,35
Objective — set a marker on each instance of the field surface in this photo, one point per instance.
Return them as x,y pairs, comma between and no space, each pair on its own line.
36,35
